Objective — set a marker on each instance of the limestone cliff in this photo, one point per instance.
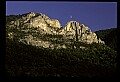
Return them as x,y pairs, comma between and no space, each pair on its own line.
79,32
38,21
39,30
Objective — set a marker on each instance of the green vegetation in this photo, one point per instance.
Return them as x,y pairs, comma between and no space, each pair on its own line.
102,33
12,18
97,60
109,36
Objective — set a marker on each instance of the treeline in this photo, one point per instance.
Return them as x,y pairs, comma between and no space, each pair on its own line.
109,36
97,60
12,18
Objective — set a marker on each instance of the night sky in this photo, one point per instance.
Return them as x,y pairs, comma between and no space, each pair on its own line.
95,15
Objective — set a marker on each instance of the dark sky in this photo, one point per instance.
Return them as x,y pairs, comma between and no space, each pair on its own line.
95,15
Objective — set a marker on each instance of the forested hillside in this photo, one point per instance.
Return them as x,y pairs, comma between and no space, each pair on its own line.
109,36
97,60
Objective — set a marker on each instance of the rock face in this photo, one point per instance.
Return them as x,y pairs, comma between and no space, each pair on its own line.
39,30
79,32
39,21
54,23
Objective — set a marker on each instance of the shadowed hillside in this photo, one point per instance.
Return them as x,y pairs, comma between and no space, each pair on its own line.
97,60
109,36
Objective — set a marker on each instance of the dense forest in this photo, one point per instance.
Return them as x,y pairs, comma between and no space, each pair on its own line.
97,60
109,36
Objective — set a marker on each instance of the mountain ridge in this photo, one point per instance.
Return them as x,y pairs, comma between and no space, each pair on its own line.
32,52
30,25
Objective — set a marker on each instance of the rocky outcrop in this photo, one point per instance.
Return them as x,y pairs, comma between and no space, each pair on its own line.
39,21
30,40
32,27
79,32
54,23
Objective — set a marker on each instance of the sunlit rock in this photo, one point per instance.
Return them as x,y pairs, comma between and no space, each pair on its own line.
41,31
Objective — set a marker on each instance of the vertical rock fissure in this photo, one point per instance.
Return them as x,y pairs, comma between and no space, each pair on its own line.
76,32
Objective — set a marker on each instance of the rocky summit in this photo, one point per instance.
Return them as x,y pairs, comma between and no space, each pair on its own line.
37,29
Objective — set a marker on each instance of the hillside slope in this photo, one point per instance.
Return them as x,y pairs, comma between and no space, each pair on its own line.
109,36
25,60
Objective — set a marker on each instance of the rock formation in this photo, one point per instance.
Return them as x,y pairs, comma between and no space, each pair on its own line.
39,30
79,32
